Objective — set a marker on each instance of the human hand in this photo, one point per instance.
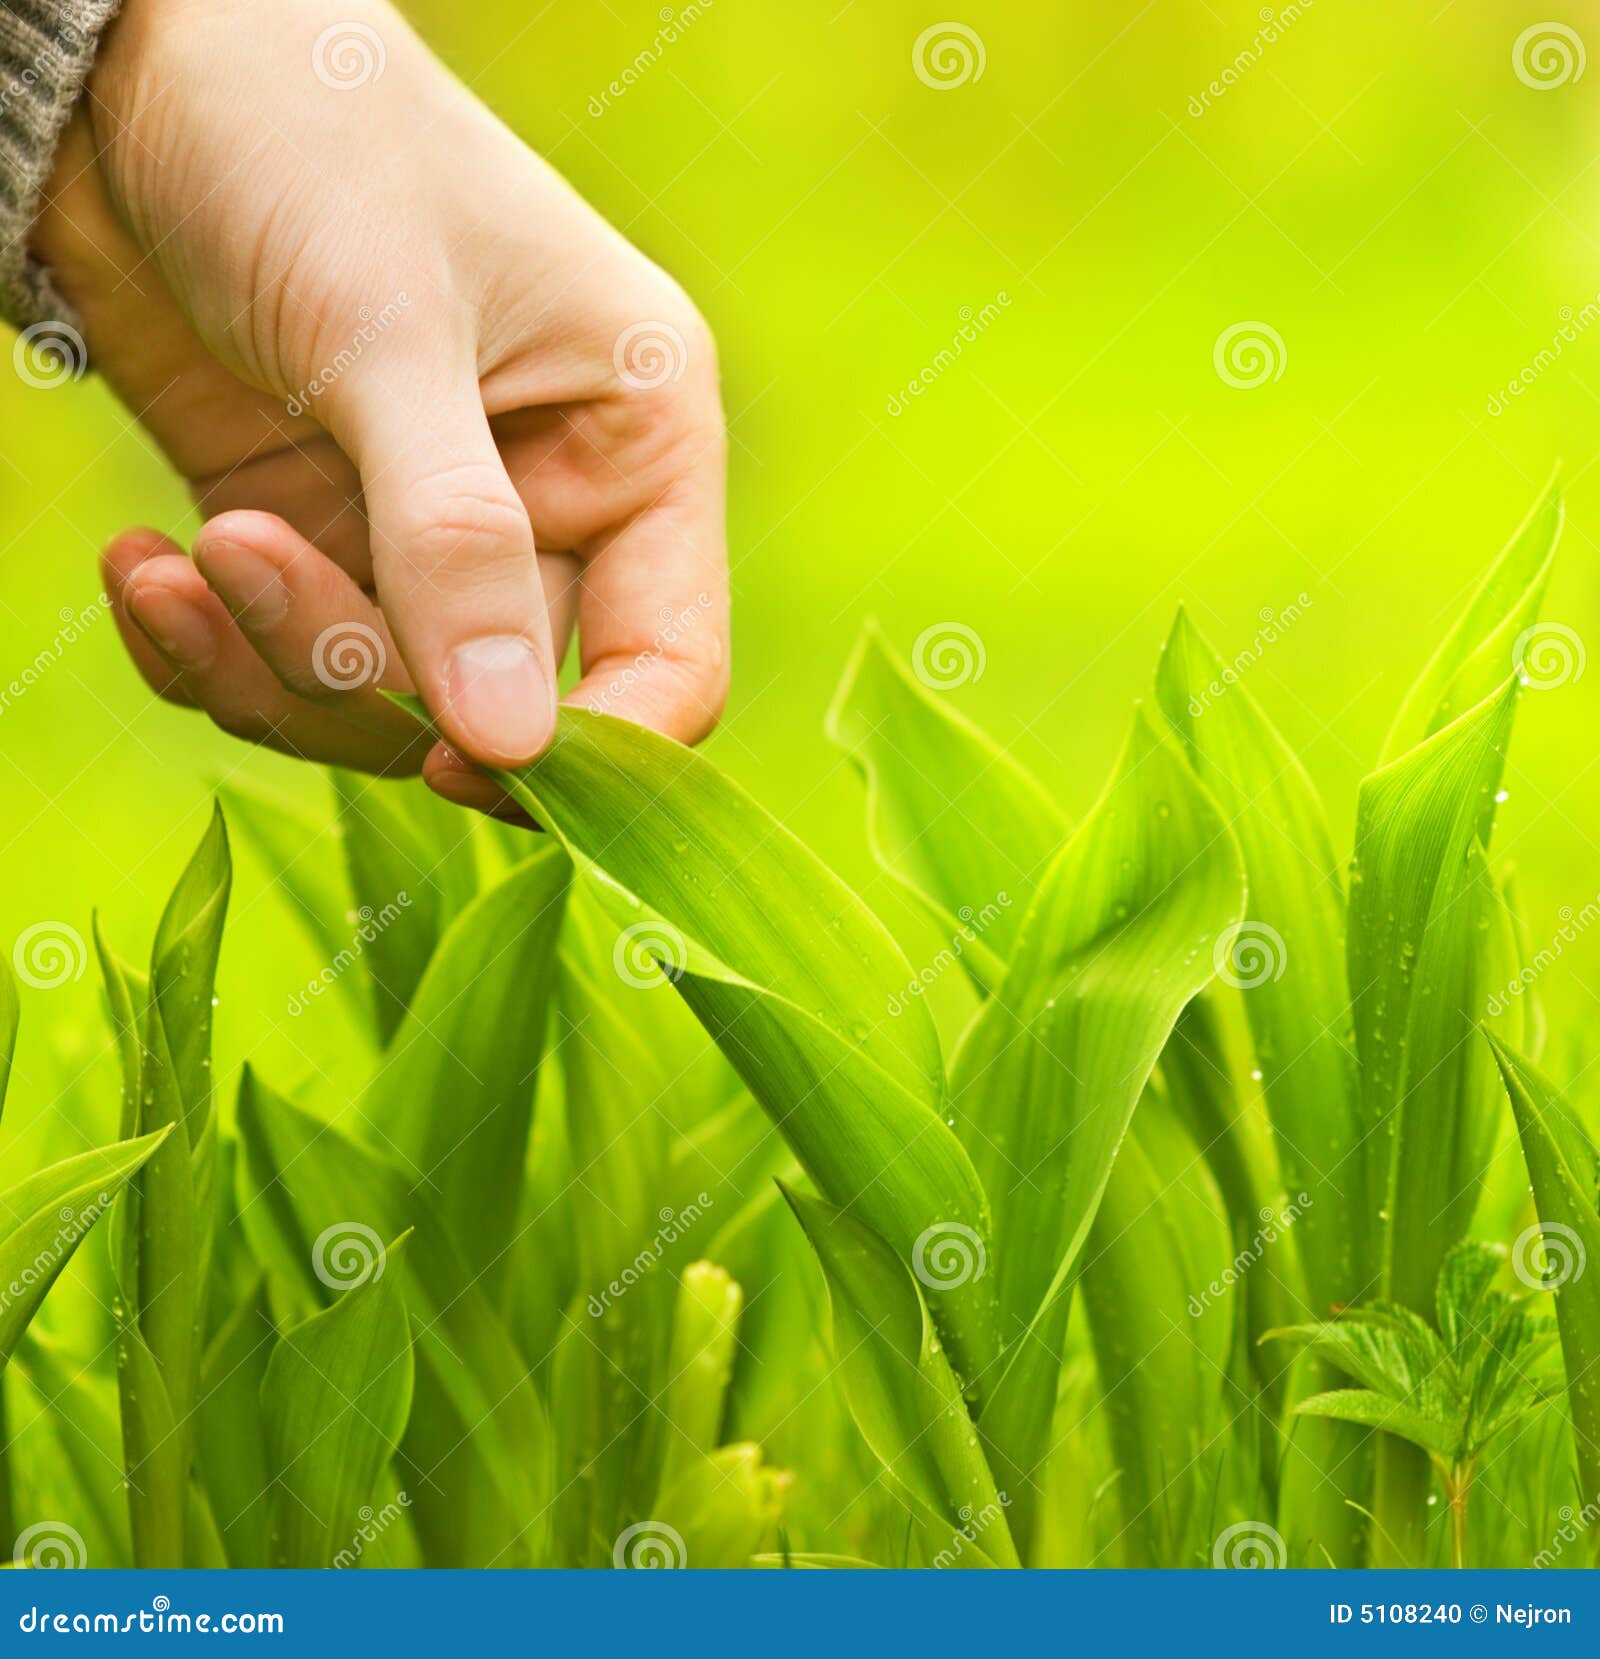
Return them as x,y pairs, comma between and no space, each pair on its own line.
436,411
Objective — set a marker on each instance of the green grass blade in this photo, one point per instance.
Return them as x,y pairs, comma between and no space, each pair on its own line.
297,850
1120,937
1563,1169
1160,1239
1418,895
949,814
334,1404
1421,895
1289,959
1479,652
902,1392
231,1451
611,1361
782,964
315,1199
45,1217
183,972
457,1109
65,1438
410,871
10,1018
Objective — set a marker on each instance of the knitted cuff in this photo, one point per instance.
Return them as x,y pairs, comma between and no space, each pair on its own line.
47,48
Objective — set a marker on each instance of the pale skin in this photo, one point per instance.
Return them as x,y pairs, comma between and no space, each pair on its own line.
512,427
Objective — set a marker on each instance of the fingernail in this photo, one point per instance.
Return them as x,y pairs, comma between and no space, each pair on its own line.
500,699
176,624
466,789
251,586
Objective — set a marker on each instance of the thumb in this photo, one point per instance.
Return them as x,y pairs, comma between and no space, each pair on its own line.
454,563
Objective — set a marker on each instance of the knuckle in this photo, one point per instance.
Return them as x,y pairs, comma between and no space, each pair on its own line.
466,516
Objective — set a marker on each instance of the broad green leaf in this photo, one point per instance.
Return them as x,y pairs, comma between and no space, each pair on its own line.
45,1217
1120,937
1479,653
230,1447
455,1108
1419,891
10,1017
611,1362
1288,959
782,964
902,1392
317,1200
1158,1293
411,871
1562,1167
162,1247
298,852
334,1404
183,971
63,1446
950,815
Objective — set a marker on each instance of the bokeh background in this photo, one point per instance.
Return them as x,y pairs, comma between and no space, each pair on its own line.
1378,185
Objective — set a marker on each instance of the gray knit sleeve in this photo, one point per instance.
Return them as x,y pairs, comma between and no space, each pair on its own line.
46,50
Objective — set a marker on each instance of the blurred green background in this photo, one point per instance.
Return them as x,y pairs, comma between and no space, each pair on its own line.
1379,186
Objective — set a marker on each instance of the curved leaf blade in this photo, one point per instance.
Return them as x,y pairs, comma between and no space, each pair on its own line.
949,814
